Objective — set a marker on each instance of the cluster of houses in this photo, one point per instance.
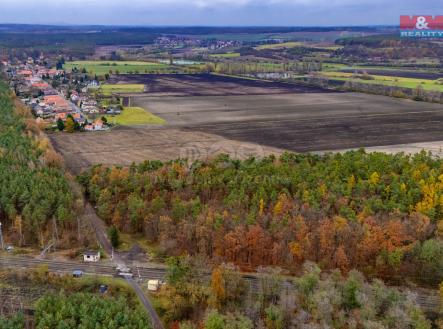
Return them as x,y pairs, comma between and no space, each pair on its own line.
49,104
180,41
176,41
221,44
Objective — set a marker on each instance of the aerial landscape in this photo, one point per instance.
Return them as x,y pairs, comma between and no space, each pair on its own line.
221,164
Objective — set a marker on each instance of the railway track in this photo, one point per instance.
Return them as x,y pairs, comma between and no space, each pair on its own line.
428,299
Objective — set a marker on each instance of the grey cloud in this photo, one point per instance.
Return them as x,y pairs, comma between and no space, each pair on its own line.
214,12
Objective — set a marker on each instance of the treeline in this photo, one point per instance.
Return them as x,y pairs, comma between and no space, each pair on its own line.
189,301
79,38
376,212
80,310
88,311
77,43
243,68
386,47
36,200
358,83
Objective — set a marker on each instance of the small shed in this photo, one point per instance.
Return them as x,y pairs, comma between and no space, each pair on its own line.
91,256
154,285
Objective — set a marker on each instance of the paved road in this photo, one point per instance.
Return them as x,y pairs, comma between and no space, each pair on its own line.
100,231
155,319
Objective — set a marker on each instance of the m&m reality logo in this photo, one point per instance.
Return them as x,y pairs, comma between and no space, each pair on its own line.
424,26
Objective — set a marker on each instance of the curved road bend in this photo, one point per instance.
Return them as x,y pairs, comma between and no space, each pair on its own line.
155,319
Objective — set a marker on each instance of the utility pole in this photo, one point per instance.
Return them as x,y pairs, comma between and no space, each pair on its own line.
1,237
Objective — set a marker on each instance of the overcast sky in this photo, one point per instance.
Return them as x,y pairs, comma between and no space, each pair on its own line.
215,12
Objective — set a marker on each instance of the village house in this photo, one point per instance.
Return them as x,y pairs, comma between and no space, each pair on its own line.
57,102
61,116
93,84
24,73
41,85
42,72
97,125
75,97
91,256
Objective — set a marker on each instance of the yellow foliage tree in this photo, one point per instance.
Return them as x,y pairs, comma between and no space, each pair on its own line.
351,182
441,294
69,125
430,197
278,208
296,250
218,286
261,207
323,190
374,179
340,223
440,228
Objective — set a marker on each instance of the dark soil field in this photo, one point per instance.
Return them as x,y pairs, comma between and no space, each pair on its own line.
304,122
208,85
285,118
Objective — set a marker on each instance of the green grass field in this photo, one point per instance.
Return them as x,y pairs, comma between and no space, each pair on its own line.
108,90
247,37
389,81
290,44
226,55
121,67
334,66
132,116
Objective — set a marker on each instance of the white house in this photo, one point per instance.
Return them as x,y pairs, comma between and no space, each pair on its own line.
91,256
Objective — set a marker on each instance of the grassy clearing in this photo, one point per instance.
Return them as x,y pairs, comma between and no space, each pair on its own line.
132,116
41,282
226,55
121,67
390,81
289,44
319,46
128,240
108,90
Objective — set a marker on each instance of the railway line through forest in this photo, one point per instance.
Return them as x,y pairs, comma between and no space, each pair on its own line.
428,299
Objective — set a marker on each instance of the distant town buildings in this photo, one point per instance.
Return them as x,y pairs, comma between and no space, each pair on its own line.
53,97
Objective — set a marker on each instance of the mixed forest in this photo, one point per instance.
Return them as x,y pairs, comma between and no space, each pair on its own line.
311,301
37,203
378,213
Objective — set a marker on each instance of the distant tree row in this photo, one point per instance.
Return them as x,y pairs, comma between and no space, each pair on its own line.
230,67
